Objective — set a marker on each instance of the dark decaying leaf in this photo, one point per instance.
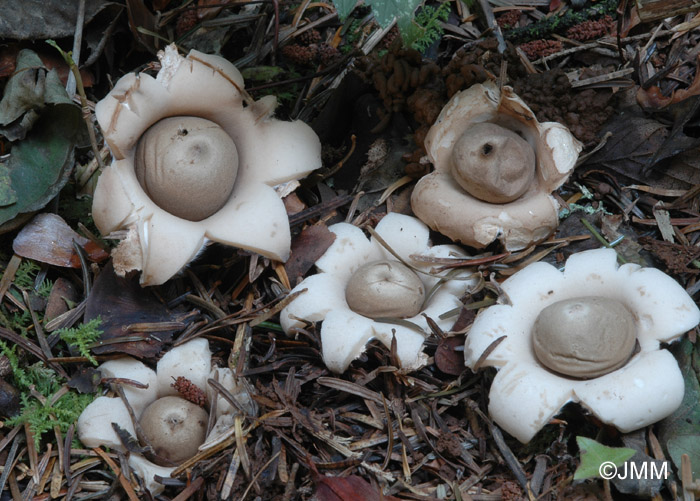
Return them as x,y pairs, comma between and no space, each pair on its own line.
140,18
7,194
62,292
48,239
449,356
642,486
41,19
9,399
635,141
307,247
351,488
86,380
121,302
28,91
129,442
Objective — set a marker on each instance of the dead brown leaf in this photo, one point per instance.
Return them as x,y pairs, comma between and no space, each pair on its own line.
447,358
48,239
653,99
636,141
351,488
121,302
307,248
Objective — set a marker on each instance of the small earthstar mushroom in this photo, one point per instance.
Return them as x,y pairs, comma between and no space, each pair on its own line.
175,428
554,343
495,169
191,360
363,292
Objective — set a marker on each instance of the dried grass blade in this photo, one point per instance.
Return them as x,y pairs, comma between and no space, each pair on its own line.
351,388
276,309
128,488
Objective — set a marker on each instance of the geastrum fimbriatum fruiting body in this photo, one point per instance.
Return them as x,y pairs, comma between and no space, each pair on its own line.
364,292
191,164
590,334
495,169
173,426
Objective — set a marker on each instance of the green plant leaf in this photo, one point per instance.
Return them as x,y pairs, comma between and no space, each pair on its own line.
7,194
680,431
344,7
40,165
386,10
43,123
594,454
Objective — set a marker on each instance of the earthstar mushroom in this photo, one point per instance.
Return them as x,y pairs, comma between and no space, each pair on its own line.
630,390
192,164
492,163
362,290
187,165
495,169
191,360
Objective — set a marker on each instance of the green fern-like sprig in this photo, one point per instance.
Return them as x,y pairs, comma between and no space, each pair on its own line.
26,274
42,417
25,278
20,376
82,337
425,28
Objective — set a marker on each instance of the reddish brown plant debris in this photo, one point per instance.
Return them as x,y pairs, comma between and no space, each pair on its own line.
510,491
541,48
185,22
589,30
310,55
309,37
676,257
190,391
551,97
298,54
509,19
478,64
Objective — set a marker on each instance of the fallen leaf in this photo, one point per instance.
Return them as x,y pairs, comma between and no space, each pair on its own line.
307,248
594,454
351,488
680,431
39,20
48,239
62,291
121,302
447,358
637,140
141,19
653,99
86,380
41,163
